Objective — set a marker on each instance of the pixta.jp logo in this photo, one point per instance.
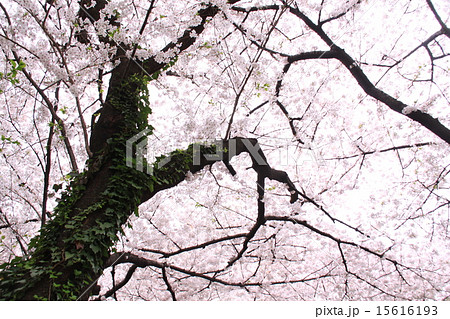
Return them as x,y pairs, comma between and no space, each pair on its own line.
137,151
144,149
142,157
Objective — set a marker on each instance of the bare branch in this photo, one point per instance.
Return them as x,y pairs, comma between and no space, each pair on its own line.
394,148
190,248
339,15
122,283
253,9
169,286
50,107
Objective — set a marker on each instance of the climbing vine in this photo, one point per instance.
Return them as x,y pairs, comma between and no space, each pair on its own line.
72,240
80,239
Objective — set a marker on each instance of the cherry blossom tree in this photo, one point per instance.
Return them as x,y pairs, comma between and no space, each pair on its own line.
294,150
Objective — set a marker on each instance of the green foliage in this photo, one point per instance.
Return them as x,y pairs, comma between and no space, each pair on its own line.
262,87
206,45
132,99
11,76
9,140
113,32
155,75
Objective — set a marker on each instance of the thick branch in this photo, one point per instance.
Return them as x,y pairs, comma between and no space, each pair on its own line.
122,283
425,119
226,150
445,29
431,123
